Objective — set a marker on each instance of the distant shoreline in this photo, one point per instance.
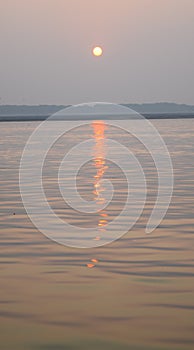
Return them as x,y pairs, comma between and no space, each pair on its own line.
31,118
150,110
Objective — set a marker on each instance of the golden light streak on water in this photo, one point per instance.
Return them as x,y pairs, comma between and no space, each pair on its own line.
99,162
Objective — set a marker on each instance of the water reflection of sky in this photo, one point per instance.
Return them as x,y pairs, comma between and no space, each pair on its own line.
140,292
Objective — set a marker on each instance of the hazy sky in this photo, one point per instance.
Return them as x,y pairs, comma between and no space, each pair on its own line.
45,51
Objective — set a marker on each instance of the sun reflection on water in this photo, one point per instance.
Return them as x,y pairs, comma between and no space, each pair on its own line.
101,167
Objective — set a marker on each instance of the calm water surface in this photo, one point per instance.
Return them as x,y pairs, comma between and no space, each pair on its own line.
135,293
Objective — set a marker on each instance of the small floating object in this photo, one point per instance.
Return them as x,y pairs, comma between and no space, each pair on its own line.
13,213
94,260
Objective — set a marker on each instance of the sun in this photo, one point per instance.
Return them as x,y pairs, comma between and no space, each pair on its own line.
97,51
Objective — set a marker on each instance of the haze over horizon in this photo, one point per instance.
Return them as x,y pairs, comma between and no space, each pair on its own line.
46,51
